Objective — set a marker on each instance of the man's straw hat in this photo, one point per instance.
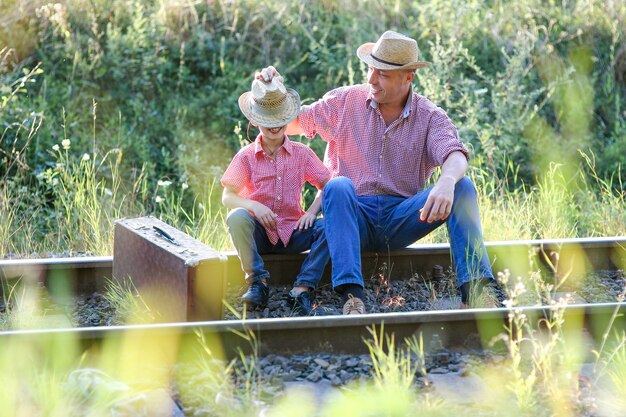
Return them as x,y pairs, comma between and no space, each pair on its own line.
270,104
392,51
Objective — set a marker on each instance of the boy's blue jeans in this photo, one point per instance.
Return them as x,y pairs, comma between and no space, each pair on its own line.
250,241
383,222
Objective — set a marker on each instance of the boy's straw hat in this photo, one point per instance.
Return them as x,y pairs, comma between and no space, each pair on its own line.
392,51
270,104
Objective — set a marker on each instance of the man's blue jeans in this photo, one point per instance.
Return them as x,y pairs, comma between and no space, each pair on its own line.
250,240
383,222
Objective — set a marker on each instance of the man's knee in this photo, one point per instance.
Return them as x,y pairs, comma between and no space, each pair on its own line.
337,192
339,185
464,189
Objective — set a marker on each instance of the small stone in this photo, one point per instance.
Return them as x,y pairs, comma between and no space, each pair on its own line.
345,376
335,381
352,362
454,368
314,376
321,362
291,376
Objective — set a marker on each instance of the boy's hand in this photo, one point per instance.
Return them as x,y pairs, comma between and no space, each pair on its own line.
305,221
264,215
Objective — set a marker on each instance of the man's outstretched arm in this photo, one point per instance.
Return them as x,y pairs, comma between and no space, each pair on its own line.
267,74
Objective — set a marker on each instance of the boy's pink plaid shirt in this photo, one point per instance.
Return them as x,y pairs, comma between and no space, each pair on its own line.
276,183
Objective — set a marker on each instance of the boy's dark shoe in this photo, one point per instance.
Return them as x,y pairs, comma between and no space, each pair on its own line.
257,295
301,304
322,310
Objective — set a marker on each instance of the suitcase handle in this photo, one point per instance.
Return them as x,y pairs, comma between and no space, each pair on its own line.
165,235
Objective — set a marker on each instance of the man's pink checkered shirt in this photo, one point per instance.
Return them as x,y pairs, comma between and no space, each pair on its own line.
276,183
395,160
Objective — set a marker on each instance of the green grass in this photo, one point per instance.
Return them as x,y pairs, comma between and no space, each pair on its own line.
147,90
84,197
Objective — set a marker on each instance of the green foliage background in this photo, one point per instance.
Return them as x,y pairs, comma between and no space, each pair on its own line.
529,84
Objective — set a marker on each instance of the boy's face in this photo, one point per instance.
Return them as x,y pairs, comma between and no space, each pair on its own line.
274,133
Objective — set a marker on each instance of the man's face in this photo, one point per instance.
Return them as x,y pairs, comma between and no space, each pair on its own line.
388,86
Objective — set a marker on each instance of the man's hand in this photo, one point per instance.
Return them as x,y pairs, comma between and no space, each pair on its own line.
439,203
267,74
305,221
265,216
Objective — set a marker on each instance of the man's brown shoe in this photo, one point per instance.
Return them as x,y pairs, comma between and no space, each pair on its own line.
354,305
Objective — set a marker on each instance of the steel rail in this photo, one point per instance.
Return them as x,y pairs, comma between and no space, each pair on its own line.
89,274
474,328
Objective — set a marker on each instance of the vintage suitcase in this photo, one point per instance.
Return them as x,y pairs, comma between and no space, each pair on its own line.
178,277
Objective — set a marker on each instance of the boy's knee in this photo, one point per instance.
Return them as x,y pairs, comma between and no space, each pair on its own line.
238,217
318,227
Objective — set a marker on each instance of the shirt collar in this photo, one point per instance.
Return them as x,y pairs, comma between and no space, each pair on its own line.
407,106
258,147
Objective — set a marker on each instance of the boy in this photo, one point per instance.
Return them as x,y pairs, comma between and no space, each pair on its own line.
263,187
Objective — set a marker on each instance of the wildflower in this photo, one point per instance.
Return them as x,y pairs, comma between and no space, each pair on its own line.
164,183
55,147
66,143
86,157
158,199
184,185
108,192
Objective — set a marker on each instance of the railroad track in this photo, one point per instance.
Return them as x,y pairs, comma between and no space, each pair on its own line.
84,275
334,334
338,334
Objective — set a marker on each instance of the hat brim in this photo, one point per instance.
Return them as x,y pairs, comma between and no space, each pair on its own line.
278,117
364,52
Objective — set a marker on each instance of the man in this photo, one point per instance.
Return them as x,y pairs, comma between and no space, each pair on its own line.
384,142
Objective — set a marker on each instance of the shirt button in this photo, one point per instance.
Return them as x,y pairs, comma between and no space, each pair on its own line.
271,161
278,178
277,197
381,156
